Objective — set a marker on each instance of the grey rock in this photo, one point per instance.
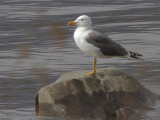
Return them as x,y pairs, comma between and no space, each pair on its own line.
95,96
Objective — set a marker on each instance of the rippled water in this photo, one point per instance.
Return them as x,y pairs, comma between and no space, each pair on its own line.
37,46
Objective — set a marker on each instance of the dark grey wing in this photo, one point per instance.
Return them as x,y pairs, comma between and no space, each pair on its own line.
105,44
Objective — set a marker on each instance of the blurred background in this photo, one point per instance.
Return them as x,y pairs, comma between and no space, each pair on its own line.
37,46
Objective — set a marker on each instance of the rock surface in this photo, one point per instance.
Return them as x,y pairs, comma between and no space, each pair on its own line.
95,96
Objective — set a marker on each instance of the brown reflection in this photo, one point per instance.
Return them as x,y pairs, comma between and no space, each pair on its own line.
58,32
41,74
39,19
56,28
23,50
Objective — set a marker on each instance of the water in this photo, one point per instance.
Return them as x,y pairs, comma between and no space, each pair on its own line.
37,47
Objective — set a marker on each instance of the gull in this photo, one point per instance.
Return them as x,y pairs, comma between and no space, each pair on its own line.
97,44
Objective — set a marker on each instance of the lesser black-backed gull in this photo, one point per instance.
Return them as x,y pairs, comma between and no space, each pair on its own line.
97,44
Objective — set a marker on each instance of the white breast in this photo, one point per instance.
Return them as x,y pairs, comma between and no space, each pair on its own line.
80,36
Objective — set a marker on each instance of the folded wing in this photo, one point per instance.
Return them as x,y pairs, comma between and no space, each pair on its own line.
107,46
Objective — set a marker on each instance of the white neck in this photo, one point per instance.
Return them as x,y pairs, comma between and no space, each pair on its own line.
78,31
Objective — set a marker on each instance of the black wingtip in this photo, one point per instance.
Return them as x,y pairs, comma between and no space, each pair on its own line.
135,55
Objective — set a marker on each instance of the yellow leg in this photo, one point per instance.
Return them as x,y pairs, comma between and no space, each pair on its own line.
94,67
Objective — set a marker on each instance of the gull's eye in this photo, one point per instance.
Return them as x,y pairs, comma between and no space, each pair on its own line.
81,19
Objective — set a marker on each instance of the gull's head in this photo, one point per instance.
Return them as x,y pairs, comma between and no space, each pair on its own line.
82,21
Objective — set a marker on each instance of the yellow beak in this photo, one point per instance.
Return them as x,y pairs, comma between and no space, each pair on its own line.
72,23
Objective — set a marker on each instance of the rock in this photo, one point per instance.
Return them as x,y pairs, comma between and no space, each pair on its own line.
95,96
127,113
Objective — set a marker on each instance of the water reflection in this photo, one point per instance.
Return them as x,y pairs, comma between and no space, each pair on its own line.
37,46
